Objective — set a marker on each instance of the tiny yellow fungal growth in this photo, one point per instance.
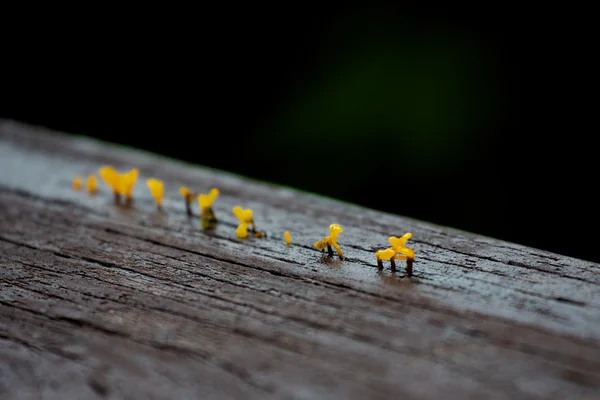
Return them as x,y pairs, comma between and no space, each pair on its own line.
400,242
242,230
77,182
398,251
187,195
120,183
331,240
245,216
91,184
185,192
127,181
205,200
157,190
287,237
246,219
385,254
110,176
399,245
206,212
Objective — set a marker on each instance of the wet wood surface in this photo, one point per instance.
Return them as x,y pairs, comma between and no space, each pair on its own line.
103,301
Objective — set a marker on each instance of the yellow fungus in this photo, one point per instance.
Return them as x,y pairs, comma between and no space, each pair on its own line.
331,240
243,215
128,180
400,242
120,183
385,254
205,200
242,230
406,254
187,195
399,245
77,182
398,251
157,190
185,192
207,214
91,184
246,219
287,237
110,176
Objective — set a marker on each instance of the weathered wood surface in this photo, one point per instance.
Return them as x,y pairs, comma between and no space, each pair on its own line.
98,301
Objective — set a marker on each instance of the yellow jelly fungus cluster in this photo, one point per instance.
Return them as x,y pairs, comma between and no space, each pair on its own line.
398,251
207,214
77,182
331,240
205,200
91,184
121,183
157,190
287,237
246,220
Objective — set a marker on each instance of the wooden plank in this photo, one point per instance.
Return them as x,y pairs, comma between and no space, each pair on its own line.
101,301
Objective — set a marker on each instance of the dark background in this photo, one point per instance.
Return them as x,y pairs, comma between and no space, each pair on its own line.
470,117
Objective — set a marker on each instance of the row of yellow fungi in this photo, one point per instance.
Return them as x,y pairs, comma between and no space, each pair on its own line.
398,251
122,184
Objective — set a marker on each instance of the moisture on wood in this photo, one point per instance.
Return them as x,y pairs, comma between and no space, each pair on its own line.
104,301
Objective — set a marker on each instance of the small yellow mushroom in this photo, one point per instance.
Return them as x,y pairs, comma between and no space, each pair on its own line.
110,176
246,219
243,215
387,254
242,230
187,195
77,182
205,200
399,242
92,184
398,251
331,240
185,191
128,180
207,214
157,190
409,256
287,237
120,183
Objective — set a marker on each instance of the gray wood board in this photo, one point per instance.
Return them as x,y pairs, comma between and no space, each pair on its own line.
102,301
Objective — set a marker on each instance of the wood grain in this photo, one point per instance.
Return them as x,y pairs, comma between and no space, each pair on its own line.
102,301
